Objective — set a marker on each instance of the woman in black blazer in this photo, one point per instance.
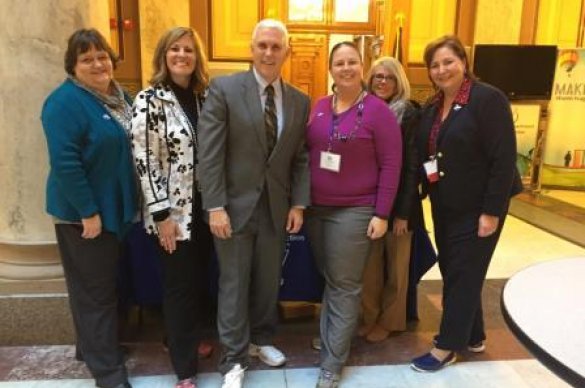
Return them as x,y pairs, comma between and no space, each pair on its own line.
467,145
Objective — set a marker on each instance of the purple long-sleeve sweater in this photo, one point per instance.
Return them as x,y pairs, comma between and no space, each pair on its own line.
370,162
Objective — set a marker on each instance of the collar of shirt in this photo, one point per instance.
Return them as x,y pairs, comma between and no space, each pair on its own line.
262,84
462,97
277,84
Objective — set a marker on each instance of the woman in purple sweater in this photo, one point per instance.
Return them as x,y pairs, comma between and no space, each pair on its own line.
355,152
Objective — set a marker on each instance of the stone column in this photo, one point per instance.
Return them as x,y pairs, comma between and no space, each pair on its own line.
33,38
156,17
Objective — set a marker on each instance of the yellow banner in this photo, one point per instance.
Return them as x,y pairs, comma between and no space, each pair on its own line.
564,155
526,119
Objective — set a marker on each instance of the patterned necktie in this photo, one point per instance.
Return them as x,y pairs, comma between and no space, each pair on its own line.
270,121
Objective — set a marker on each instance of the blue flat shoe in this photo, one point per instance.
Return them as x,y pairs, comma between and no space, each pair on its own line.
428,362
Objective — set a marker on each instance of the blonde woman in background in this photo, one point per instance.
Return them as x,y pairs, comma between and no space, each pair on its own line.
386,273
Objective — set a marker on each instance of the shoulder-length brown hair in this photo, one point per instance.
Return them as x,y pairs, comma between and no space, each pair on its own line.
160,71
452,42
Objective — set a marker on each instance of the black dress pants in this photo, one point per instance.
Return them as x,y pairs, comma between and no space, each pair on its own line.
463,258
184,273
91,270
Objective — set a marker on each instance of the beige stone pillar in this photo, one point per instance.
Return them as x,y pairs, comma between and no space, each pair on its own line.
33,38
157,16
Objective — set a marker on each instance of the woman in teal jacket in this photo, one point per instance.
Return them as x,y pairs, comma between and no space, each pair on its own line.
91,194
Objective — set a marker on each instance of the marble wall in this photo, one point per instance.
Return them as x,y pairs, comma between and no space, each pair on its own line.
157,16
33,37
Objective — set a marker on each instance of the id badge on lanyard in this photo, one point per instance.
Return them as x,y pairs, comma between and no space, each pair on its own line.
431,167
432,170
330,161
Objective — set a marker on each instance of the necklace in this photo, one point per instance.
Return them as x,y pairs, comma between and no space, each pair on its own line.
336,98
344,137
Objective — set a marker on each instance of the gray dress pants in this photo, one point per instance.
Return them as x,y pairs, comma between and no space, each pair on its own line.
249,280
340,247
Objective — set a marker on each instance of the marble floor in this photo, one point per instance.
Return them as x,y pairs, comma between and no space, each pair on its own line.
517,373
574,197
521,244
505,363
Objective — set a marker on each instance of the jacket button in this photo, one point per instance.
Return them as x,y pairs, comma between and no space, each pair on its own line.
441,173
439,155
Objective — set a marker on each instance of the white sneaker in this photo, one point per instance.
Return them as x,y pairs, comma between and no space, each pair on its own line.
267,354
234,378
477,348
316,343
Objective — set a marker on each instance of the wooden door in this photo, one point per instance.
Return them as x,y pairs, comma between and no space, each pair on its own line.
306,67
125,38
310,25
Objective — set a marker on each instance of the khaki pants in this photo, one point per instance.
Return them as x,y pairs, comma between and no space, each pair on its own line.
384,292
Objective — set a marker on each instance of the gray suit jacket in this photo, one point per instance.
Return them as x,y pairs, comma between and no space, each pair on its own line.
233,155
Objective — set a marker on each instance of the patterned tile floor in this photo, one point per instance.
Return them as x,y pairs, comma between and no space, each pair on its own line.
505,363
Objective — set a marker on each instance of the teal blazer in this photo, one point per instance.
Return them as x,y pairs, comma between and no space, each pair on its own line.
91,169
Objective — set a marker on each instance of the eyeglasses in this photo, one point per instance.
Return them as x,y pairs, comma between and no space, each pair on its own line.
381,77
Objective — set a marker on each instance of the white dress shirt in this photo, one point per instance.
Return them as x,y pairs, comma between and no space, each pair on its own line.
277,84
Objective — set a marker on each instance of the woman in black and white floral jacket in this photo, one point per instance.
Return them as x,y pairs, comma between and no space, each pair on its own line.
164,144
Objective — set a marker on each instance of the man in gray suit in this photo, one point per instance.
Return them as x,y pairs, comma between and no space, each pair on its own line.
255,184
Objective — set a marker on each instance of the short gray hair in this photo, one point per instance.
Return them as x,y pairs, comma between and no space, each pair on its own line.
271,23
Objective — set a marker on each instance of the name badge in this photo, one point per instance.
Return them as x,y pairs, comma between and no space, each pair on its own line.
431,169
330,161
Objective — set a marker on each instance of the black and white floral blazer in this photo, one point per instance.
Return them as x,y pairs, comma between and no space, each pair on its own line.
163,144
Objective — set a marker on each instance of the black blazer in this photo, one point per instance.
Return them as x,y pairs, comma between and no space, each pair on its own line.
476,155
407,204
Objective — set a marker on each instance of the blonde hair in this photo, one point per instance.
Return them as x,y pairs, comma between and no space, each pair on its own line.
394,67
160,71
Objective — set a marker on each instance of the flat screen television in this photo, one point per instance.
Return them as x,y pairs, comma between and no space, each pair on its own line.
522,72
